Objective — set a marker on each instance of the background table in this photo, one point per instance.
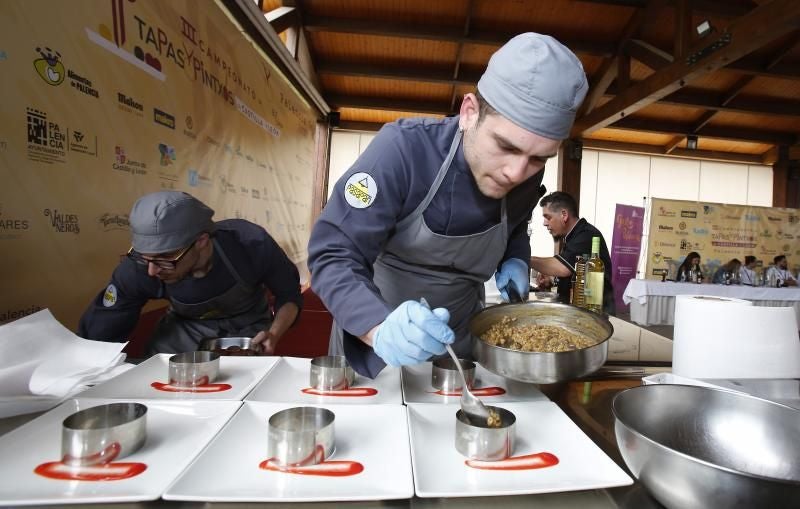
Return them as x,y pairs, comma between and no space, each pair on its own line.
652,302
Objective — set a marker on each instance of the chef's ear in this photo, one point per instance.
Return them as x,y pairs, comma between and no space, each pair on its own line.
469,112
203,240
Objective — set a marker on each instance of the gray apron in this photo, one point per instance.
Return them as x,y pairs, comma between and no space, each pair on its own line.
242,310
449,271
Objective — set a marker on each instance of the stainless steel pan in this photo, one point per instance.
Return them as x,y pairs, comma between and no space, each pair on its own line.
542,367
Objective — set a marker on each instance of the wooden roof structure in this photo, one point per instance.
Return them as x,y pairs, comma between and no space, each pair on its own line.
664,74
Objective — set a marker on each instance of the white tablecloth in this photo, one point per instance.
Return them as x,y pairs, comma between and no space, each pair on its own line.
653,302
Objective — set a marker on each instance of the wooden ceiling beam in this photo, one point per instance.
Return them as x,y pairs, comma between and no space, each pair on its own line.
460,52
716,132
655,58
631,123
784,50
686,97
641,148
637,148
704,119
673,144
753,66
437,76
282,18
731,93
651,56
744,35
439,33
683,28
359,125
770,157
610,69
753,105
727,8
381,103
598,87
742,83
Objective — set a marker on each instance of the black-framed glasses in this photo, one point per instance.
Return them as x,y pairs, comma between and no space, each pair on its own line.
161,263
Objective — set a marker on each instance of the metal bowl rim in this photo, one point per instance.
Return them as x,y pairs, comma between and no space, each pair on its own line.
498,409
213,358
658,445
206,343
328,414
315,362
135,404
584,349
548,304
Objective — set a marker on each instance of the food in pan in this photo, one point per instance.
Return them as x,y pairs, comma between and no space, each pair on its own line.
236,351
534,338
494,420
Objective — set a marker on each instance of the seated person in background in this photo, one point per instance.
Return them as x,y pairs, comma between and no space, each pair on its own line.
692,261
560,212
747,274
725,272
213,273
781,272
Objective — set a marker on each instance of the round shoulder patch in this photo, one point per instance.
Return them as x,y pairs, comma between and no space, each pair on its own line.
110,296
360,190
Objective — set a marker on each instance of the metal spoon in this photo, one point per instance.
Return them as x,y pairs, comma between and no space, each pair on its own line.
473,407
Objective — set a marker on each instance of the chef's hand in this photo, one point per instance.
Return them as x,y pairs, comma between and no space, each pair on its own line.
412,334
268,341
543,281
517,271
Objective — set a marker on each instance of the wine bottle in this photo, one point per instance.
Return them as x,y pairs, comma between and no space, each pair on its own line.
579,282
595,279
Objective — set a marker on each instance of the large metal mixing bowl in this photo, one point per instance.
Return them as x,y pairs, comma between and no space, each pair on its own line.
542,367
698,447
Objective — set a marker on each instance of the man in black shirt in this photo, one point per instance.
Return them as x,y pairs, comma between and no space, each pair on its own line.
560,212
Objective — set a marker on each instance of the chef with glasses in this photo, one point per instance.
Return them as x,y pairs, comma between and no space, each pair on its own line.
214,274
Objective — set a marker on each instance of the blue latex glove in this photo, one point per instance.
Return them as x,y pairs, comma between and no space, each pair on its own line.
517,271
412,334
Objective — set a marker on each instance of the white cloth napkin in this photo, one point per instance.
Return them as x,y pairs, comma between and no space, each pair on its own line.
41,357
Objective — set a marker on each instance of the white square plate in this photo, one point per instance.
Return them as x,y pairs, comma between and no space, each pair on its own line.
241,373
176,432
286,381
441,471
417,387
373,435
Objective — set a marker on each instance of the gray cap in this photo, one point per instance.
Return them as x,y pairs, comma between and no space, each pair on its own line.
168,220
537,83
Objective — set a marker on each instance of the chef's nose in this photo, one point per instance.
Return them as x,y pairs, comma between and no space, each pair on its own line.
515,170
153,269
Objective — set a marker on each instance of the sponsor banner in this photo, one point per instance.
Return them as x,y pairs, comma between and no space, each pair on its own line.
105,101
718,232
625,248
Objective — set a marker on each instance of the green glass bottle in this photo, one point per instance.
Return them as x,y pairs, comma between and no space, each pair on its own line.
595,279
579,279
